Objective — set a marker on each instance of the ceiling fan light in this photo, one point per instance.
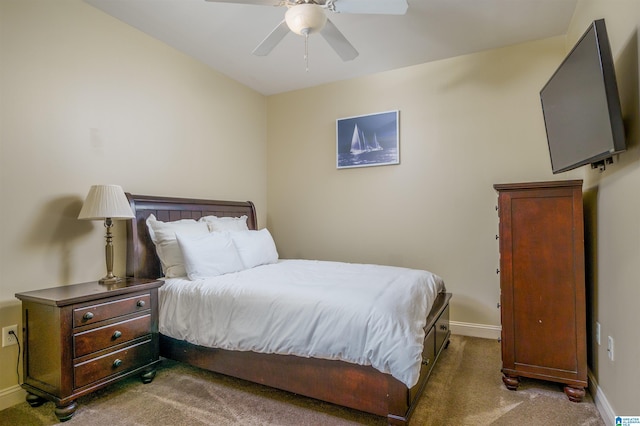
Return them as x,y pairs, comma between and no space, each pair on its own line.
305,18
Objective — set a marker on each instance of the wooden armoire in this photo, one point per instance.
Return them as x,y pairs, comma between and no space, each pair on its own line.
542,284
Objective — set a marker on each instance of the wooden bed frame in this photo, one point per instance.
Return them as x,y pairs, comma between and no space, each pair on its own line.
355,386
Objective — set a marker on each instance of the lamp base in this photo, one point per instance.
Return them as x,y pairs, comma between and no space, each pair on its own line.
110,279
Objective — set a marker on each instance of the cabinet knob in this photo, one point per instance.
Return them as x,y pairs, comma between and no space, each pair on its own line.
117,363
87,316
498,305
140,303
443,327
497,271
497,237
116,334
426,361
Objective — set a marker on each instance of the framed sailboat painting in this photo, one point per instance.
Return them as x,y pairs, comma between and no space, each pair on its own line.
368,140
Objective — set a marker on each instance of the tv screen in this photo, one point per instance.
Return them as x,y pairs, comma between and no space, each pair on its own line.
581,105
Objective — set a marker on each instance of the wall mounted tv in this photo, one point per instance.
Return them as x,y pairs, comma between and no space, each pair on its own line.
581,105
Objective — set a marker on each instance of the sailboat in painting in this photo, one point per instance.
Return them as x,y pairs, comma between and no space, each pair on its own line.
359,143
375,146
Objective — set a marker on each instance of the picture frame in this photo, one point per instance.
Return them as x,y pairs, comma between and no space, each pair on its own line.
368,140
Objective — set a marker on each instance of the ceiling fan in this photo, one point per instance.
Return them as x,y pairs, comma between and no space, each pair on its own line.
305,17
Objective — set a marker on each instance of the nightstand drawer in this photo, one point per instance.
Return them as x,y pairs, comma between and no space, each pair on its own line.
113,363
103,337
94,313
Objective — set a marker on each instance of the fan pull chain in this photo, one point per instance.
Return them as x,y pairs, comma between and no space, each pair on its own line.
306,51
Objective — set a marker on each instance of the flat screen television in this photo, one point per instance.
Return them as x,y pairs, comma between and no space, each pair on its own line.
581,105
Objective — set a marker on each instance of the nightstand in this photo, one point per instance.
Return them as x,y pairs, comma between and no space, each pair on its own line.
82,337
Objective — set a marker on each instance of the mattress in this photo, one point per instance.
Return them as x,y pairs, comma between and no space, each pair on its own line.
365,314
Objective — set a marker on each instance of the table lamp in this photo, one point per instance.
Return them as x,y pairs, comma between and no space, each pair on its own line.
108,203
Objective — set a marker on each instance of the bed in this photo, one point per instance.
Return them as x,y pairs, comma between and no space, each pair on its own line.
361,387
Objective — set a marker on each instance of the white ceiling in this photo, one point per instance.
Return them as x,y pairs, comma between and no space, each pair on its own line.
223,35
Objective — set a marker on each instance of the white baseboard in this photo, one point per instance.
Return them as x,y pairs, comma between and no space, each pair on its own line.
475,330
11,396
602,404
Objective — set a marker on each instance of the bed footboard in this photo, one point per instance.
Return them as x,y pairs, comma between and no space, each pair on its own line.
350,385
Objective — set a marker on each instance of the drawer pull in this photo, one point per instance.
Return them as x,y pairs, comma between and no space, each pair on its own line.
426,361
87,316
116,334
443,327
117,363
140,303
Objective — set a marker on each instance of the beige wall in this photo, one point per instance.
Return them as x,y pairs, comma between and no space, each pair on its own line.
613,207
465,124
86,99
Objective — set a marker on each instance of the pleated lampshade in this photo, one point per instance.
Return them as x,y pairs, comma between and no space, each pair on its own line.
106,201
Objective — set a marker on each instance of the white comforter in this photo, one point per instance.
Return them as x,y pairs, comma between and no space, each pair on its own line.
365,314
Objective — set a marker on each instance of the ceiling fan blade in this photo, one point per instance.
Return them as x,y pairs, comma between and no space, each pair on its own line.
339,42
386,7
258,2
272,39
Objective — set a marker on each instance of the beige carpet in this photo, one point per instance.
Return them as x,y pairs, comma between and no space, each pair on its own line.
465,389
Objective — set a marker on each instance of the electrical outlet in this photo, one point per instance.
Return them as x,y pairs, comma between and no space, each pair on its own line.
598,332
610,347
9,339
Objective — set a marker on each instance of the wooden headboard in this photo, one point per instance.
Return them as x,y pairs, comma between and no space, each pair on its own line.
142,261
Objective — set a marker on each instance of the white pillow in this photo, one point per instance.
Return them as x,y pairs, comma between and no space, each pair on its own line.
209,255
163,235
255,247
216,223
